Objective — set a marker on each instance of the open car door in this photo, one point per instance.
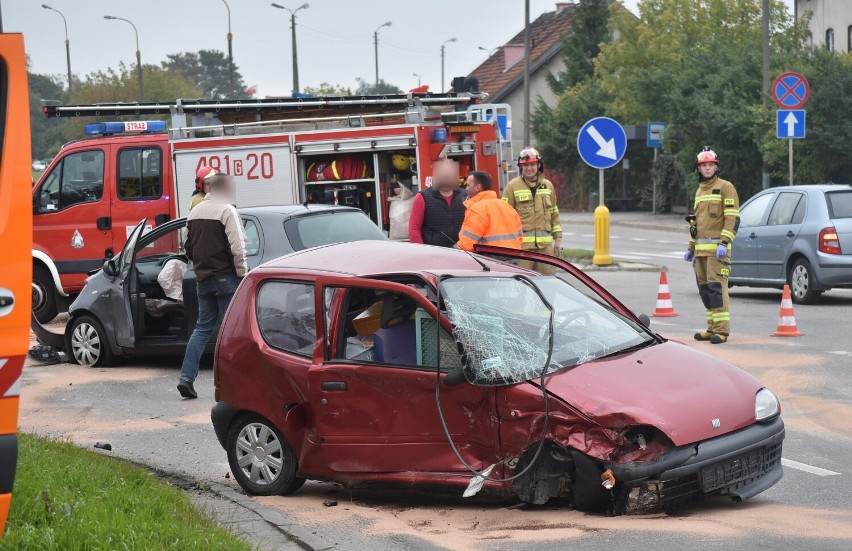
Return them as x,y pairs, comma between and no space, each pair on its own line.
125,332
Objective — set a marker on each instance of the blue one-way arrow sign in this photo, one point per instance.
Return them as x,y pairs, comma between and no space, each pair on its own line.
601,142
790,124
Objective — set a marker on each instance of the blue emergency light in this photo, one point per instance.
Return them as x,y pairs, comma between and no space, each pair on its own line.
100,128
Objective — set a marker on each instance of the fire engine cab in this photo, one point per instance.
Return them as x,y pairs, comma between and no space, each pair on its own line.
362,151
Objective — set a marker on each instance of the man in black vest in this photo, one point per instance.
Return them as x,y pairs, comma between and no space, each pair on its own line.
437,213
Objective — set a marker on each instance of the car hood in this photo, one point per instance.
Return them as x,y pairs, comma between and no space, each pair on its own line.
670,386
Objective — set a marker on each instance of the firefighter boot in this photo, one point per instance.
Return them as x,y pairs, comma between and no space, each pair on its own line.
704,336
717,338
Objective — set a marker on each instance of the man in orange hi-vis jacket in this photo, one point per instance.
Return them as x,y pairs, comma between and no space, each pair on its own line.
488,219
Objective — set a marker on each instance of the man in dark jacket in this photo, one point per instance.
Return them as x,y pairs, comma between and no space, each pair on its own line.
216,246
437,212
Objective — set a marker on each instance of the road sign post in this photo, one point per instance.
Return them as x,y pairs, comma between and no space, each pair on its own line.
656,135
790,91
601,143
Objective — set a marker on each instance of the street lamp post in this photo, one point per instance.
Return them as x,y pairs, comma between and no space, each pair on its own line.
442,62
490,52
67,44
138,53
230,53
418,78
293,27
376,45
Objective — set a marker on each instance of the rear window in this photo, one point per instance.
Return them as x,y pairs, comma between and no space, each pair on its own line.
333,227
839,204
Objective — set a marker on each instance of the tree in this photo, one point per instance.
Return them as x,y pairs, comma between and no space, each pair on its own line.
371,89
696,64
208,69
326,89
46,134
581,47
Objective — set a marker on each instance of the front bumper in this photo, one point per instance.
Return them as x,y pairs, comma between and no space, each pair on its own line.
741,465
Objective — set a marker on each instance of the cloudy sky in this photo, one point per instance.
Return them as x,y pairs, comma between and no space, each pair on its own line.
335,37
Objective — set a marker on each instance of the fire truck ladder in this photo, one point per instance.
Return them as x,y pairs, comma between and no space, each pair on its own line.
369,104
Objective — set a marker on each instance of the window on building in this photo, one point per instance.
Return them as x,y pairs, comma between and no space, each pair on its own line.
829,40
849,39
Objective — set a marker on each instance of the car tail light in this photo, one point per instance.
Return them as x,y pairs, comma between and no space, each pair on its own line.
829,243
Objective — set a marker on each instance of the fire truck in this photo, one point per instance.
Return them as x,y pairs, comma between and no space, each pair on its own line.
354,150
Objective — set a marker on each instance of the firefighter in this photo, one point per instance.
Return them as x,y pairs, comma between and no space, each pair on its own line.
713,227
202,185
534,198
488,220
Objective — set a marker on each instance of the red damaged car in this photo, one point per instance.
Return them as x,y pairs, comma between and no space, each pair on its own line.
329,367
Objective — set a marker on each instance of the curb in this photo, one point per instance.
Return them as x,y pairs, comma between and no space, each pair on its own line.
586,266
263,527
634,225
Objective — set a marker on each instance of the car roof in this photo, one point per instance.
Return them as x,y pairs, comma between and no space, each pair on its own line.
295,210
812,187
363,258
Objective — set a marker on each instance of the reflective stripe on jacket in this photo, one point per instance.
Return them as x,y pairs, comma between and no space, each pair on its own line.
537,209
717,216
489,221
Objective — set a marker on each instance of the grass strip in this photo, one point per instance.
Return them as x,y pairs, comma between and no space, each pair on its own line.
578,254
69,498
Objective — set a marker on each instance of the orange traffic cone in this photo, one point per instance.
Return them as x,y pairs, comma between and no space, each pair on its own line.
664,300
787,319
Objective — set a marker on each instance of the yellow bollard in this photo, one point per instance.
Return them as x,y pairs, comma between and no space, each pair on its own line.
602,256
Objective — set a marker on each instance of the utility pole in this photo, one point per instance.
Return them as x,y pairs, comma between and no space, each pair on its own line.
527,133
230,54
67,45
293,39
765,175
418,78
138,53
376,45
443,89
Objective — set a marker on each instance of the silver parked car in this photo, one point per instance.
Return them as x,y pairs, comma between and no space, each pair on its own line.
801,235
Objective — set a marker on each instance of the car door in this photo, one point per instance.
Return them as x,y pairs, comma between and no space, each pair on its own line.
71,213
378,414
138,189
744,252
124,294
777,236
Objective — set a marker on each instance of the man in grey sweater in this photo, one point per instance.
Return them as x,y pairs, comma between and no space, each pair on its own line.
216,246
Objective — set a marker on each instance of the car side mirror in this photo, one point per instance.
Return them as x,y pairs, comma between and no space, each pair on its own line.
110,268
455,377
645,319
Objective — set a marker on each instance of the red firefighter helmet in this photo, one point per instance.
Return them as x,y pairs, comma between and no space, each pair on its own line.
707,155
529,155
204,173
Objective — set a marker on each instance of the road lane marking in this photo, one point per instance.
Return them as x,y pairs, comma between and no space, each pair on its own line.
807,468
840,352
638,239
666,242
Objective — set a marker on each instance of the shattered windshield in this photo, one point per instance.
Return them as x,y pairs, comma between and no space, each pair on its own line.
503,325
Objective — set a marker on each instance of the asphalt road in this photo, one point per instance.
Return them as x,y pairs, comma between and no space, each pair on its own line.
136,408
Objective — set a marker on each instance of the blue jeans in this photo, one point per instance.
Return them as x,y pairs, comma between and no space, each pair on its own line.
214,295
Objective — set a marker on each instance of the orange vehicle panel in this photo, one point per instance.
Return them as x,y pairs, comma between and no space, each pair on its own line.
16,236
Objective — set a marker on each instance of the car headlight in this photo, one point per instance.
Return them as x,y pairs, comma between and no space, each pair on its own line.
766,405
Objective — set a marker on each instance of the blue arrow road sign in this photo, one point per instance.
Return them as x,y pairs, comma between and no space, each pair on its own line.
790,124
601,142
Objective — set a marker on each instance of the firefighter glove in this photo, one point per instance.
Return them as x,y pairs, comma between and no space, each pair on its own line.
721,251
688,256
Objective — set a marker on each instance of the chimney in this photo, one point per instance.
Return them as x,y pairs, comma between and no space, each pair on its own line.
512,53
561,6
